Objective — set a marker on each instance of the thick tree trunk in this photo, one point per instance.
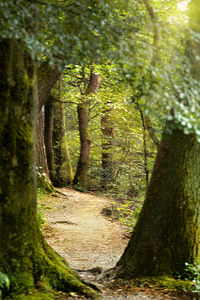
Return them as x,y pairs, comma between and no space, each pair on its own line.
24,255
47,78
63,169
107,128
167,234
85,142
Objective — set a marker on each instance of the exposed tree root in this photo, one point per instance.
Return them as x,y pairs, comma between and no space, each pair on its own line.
49,271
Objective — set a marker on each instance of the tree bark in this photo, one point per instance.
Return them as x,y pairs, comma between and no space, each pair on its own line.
107,128
85,142
48,135
167,234
24,255
47,77
63,169
41,158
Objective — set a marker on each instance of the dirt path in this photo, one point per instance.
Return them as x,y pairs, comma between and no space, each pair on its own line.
79,232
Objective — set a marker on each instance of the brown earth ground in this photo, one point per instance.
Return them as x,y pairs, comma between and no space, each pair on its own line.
92,243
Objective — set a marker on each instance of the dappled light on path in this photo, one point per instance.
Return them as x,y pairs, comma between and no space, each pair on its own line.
78,231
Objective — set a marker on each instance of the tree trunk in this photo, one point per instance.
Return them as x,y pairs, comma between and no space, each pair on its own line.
85,142
145,152
47,78
48,135
24,255
41,158
63,169
167,234
107,128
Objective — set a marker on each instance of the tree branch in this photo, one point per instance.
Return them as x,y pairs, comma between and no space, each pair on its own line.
155,29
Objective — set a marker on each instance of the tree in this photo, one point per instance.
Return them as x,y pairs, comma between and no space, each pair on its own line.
63,170
167,234
107,128
25,257
82,109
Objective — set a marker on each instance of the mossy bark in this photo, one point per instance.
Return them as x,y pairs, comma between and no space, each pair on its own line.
62,163
24,255
167,234
107,129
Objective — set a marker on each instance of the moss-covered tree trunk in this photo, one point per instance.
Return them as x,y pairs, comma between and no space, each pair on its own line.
167,234
107,128
85,141
62,162
24,255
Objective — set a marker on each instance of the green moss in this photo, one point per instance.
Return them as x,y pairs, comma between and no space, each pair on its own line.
165,283
34,295
44,184
21,282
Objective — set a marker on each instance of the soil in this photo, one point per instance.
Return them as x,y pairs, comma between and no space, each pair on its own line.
92,243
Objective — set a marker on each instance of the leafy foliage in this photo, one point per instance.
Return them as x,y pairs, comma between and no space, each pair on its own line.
127,148
4,284
129,211
73,31
193,273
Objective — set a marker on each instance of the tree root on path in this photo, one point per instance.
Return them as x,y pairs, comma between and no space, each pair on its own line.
48,272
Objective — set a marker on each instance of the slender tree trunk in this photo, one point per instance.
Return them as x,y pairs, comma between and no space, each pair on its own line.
48,135
85,142
145,153
107,128
24,255
41,158
63,169
47,77
167,234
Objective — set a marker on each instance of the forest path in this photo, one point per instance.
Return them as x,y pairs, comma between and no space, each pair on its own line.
77,230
